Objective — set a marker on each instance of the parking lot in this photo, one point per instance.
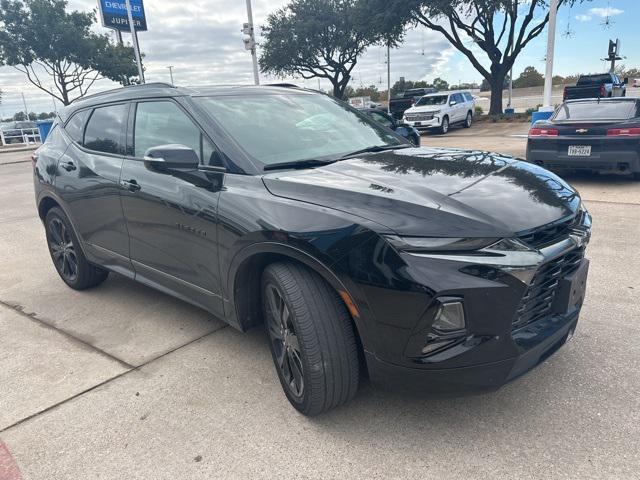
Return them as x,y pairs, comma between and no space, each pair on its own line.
124,382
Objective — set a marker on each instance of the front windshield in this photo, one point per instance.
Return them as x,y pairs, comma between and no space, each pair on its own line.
432,100
291,127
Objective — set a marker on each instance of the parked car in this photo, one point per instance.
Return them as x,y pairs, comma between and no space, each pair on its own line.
441,110
382,117
397,106
602,85
430,269
363,102
595,135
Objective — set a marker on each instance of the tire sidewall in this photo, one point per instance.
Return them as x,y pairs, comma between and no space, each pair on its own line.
469,120
301,404
445,125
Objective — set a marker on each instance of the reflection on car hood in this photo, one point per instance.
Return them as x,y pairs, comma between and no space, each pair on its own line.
434,192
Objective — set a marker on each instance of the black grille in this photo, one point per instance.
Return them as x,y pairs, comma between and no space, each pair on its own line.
549,234
538,299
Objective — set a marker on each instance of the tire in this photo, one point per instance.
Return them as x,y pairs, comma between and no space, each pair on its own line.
468,121
444,128
70,263
311,337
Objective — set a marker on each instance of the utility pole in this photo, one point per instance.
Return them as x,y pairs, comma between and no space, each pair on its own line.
24,102
551,39
389,78
136,47
250,43
170,67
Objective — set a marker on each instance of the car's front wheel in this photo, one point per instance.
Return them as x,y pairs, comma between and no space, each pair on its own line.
64,248
311,338
444,126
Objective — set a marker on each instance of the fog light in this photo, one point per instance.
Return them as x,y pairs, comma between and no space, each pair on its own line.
450,316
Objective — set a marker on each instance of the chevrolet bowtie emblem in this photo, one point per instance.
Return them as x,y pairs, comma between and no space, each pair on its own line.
582,130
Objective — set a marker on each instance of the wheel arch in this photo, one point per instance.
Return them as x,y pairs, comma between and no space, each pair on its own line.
243,308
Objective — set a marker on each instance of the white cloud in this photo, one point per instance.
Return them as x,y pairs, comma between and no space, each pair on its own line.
583,18
605,12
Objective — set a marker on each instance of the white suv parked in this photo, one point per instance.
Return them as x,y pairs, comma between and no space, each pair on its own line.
440,110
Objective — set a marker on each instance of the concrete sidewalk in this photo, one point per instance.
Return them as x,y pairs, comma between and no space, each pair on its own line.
124,382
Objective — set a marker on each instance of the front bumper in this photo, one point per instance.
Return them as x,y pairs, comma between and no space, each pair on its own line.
519,309
537,342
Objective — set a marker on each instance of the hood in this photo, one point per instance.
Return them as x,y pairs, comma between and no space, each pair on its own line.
425,108
435,192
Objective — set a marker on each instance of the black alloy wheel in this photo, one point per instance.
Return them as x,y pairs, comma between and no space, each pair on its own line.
62,250
284,341
68,258
311,338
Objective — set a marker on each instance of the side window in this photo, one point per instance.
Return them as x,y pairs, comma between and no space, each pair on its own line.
162,123
468,97
75,125
459,98
104,130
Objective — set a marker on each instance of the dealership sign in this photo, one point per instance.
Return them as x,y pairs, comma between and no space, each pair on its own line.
114,14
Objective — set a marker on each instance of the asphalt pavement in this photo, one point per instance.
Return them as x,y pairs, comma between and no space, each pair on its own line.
121,381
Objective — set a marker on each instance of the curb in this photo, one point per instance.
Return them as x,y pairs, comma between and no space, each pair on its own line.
17,149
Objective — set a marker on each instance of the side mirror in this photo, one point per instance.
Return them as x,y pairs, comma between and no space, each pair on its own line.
172,156
626,80
452,103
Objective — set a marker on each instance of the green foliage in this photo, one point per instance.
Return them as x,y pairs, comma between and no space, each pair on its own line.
478,110
324,39
39,37
401,85
530,77
440,84
370,91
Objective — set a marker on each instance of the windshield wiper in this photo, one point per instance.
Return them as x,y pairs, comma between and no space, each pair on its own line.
298,164
374,149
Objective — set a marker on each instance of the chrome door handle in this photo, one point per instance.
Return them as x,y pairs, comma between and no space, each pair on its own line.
69,166
130,185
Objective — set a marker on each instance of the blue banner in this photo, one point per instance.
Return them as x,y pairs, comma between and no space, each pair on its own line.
114,14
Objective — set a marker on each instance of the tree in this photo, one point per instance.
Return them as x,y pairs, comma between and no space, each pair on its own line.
440,84
402,85
323,39
530,77
19,117
39,38
501,29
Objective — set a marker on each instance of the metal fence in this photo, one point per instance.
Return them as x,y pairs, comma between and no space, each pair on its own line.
25,136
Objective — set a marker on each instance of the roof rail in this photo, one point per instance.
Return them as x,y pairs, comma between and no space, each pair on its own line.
139,85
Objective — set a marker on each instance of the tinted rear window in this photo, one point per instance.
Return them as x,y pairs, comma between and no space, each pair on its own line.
594,79
597,111
104,130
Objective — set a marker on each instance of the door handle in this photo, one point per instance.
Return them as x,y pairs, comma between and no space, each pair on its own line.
68,166
130,185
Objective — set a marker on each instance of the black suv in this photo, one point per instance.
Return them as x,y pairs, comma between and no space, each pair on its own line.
435,269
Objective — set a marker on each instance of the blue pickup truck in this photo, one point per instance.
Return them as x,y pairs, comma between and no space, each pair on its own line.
601,85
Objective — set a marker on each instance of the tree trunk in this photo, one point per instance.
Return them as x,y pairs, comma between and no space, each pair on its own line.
497,84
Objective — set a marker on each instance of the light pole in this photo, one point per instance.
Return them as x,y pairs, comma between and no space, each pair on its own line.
170,67
250,43
136,47
389,78
551,40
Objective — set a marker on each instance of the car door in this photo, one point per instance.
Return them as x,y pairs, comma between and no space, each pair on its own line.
171,214
87,181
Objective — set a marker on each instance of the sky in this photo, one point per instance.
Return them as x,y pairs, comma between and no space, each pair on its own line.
202,40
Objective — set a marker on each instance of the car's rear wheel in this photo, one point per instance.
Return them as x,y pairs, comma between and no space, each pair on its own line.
469,120
64,248
311,338
444,126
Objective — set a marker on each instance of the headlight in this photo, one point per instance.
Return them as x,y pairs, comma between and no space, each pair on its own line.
438,244
435,112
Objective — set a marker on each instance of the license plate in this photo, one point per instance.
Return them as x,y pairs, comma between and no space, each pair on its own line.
580,150
418,123
572,289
